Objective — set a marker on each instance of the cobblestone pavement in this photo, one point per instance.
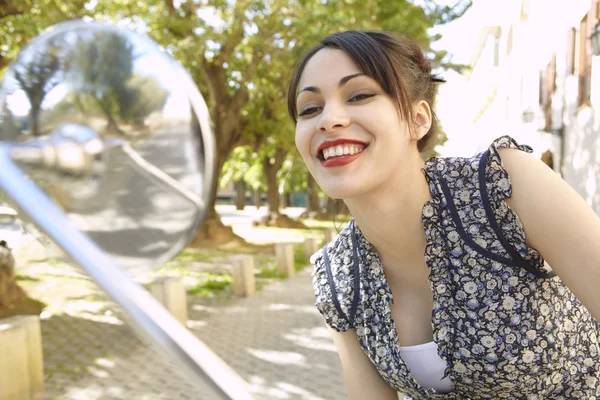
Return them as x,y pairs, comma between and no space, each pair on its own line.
275,340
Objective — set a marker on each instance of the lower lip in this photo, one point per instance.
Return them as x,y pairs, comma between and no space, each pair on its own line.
340,161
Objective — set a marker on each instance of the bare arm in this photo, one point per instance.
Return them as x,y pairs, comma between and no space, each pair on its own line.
360,376
558,223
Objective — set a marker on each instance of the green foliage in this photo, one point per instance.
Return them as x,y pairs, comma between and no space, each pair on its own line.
299,261
188,255
244,164
22,20
212,283
270,273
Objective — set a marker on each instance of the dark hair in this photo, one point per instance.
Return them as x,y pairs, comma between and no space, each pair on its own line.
397,63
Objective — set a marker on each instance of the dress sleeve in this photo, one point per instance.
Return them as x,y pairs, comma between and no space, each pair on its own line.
503,219
334,311
497,178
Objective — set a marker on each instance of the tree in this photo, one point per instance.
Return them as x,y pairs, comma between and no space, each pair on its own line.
312,192
22,20
110,85
37,78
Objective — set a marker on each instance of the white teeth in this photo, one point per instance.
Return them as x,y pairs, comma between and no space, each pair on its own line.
339,150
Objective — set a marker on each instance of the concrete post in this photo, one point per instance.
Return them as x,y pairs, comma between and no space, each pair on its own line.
170,292
21,363
242,268
284,252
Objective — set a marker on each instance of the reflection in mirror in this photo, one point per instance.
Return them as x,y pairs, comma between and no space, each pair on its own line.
115,131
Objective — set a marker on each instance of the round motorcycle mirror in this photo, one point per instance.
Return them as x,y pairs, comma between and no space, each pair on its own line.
115,131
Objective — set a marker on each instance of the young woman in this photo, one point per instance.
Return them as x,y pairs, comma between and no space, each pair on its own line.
438,286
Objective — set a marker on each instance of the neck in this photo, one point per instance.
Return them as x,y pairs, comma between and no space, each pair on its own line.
390,216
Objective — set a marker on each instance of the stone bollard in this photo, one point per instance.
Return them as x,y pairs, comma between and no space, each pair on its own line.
284,252
21,364
311,246
242,268
330,234
170,292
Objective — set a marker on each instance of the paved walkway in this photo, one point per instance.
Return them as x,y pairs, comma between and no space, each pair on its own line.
275,340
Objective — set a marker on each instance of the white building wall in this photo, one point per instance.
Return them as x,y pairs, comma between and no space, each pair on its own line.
581,166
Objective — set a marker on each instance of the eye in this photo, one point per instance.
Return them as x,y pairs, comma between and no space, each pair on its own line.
360,97
308,111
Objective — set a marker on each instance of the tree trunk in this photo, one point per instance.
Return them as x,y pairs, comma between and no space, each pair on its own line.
271,166
35,119
272,189
257,198
10,292
213,230
225,112
240,195
312,192
283,200
330,205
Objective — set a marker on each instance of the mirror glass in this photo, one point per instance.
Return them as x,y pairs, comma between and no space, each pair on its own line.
117,133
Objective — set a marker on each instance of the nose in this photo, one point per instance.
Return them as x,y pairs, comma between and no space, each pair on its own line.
333,117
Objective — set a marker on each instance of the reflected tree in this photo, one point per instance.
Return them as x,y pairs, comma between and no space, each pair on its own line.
147,96
37,78
111,86
102,84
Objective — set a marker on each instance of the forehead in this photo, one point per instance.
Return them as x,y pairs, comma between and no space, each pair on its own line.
327,66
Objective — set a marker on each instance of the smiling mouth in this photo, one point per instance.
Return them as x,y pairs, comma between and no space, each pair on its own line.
341,150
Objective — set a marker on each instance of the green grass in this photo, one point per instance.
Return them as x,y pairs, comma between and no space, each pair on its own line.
270,273
299,261
211,283
181,263
190,255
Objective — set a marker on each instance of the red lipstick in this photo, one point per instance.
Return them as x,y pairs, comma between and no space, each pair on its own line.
340,161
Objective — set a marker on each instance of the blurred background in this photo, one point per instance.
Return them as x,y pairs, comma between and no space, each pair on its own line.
520,67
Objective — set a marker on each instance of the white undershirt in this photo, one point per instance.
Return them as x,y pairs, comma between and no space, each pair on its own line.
426,366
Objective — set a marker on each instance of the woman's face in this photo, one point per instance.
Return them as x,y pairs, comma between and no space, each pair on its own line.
349,131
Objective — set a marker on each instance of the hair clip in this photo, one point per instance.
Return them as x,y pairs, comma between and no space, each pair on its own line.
437,79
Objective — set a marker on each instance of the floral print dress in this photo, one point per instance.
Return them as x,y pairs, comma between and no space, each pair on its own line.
506,326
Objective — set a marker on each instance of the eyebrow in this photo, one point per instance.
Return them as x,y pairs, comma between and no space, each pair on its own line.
342,82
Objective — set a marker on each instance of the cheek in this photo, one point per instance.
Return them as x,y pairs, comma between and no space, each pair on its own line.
303,140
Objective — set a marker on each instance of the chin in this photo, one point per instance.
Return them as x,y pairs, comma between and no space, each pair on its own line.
341,191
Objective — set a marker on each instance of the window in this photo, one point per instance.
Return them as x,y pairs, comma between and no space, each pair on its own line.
549,89
585,61
586,28
571,51
509,41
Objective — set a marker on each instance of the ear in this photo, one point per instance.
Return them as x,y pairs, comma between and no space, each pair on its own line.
423,118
